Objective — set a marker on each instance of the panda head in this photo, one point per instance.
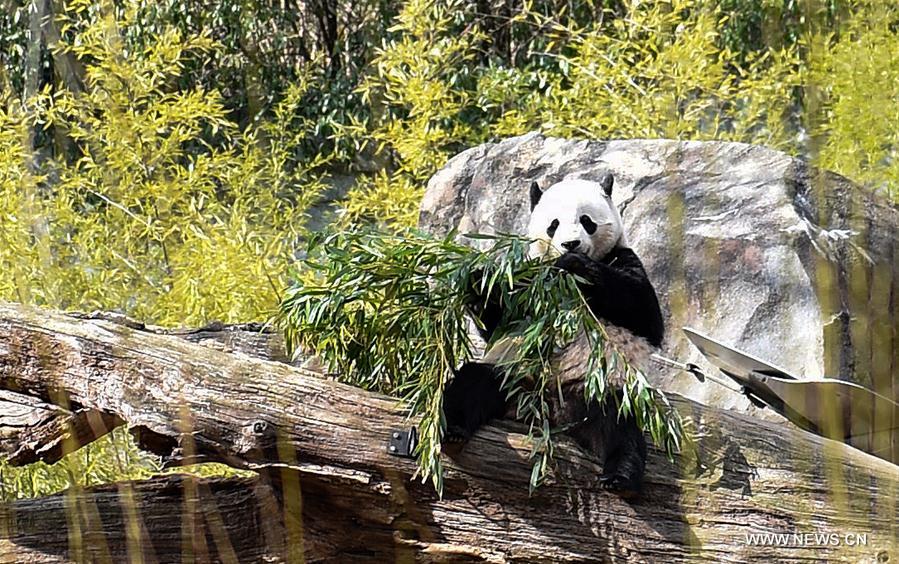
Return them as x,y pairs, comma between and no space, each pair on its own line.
574,215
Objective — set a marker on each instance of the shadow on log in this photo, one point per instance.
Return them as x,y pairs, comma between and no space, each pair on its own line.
320,448
167,519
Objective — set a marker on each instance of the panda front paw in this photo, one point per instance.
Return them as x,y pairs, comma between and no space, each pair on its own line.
456,434
573,262
620,484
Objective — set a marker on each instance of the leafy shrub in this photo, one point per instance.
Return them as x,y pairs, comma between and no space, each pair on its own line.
856,88
161,206
146,216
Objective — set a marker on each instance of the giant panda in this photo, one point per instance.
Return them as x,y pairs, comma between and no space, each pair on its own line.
575,224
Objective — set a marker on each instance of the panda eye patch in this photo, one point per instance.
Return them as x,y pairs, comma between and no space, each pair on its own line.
551,230
589,225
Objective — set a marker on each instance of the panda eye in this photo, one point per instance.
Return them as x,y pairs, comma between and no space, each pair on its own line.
551,230
588,224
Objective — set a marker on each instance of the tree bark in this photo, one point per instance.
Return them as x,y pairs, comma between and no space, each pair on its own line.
171,518
31,430
321,448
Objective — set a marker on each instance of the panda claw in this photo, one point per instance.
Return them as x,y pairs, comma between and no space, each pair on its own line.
455,435
619,485
454,441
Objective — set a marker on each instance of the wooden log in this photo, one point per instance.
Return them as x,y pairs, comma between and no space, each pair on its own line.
171,518
31,430
323,444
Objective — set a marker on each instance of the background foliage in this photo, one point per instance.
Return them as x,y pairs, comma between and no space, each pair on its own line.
165,158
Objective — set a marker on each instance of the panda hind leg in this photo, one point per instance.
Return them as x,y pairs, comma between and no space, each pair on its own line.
620,445
471,399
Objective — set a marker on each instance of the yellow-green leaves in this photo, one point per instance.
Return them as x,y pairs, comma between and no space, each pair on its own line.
386,199
856,81
161,206
417,96
660,72
23,225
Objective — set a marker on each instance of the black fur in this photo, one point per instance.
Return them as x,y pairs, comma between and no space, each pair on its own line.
588,224
618,291
536,194
473,398
617,441
606,183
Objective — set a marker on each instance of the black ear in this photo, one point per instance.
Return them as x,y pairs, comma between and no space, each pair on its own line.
536,192
606,183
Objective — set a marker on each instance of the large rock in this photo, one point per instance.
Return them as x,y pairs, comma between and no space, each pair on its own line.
749,245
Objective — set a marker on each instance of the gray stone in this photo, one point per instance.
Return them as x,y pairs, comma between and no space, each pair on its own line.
796,266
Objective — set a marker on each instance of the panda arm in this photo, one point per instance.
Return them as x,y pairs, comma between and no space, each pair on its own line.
485,308
618,290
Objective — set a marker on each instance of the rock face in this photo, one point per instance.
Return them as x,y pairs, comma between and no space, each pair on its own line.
753,247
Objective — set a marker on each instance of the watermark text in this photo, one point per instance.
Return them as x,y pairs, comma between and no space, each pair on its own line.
806,539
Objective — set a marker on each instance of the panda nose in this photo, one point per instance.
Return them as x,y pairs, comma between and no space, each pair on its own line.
571,245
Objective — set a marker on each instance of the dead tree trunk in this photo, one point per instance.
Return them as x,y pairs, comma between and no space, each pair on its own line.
168,519
327,489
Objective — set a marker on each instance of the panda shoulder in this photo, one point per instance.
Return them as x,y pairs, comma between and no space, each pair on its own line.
624,258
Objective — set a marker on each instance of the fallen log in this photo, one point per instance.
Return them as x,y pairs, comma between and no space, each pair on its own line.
230,520
321,446
31,430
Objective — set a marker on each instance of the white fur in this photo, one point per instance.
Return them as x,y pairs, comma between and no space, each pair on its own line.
567,201
636,350
569,361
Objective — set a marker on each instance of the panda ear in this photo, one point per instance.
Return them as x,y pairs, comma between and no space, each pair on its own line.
536,193
606,183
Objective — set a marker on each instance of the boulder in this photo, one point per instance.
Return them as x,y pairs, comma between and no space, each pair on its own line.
797,266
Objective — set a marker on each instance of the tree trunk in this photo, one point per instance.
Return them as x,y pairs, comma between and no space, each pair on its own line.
171,518
319,448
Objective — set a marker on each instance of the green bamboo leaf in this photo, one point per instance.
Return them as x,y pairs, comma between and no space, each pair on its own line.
383,329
